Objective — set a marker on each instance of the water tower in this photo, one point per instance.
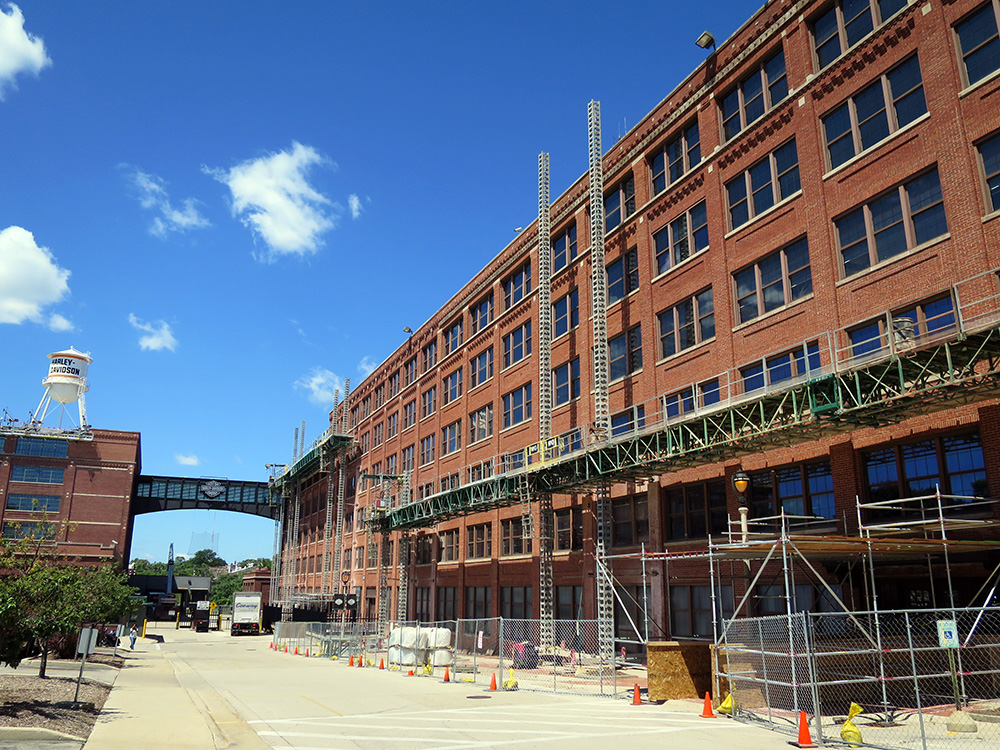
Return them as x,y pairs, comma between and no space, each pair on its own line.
65,384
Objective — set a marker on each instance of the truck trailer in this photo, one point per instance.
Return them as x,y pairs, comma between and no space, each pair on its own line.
246,613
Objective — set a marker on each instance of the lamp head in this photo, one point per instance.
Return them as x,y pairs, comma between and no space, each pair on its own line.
706,40
741,483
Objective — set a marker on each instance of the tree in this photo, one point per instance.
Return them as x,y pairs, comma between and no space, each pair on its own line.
47,599
224,586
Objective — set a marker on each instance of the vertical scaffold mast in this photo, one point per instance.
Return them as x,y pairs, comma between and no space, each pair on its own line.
331,497
602,417
545,520
342,425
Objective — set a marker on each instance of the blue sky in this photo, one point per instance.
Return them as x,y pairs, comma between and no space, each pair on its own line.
233,206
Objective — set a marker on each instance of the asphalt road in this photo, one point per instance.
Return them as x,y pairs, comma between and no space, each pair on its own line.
256,698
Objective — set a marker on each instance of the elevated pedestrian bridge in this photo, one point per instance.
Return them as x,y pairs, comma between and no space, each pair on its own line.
154,493
877,372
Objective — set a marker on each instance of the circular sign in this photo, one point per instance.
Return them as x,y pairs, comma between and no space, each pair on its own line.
345,577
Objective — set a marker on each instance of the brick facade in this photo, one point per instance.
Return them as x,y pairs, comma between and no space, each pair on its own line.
941,141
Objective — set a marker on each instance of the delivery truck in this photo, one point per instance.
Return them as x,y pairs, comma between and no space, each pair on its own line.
246,613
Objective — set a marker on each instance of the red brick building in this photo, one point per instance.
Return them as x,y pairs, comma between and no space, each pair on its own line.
821,185
75,492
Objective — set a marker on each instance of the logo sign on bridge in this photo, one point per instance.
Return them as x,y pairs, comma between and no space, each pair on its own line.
947,634
212,489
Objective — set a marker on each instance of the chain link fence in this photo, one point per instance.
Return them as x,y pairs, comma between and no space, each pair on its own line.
475,651
923,678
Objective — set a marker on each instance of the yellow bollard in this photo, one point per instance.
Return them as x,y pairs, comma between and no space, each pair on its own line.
144,628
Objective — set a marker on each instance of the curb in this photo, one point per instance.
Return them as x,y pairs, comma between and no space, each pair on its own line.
23,734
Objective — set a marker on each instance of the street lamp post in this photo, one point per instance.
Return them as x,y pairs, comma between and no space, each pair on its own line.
741,483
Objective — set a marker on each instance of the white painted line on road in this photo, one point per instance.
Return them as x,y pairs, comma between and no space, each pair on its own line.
643,722
284,735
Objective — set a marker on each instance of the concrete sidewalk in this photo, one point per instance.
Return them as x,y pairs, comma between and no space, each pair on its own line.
159,702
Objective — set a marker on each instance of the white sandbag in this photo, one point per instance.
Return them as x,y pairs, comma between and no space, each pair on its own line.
442,657
408,638
440,638
394,636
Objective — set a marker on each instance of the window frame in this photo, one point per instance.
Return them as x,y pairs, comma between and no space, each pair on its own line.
481,368
451,438
686,153
517,345
521,408
668,246
841,34
564,248
768,93
750,194
699,322
631,355
451,386
623,195
517,286
628,280
569,318
481,424
991,180
570,373
481,315
784,280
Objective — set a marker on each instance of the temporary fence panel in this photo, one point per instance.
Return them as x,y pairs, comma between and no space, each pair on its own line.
921,677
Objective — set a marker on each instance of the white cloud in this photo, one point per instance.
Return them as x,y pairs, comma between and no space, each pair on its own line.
158,336
355,204
183,460
367,366
320,383
59,324
272,197
30,278
20,52
152,193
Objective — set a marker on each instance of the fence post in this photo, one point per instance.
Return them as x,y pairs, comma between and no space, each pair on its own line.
809,634
500,648
763,663
916,681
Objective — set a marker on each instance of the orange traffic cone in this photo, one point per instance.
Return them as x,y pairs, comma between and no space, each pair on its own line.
447,677
296,651
361,660
707,712
410,673
493,682
636,699
350,662
381,663
805,740
307,652
286,648
271,646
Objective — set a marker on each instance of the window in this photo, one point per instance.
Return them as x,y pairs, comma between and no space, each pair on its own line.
365,442
882,108
564,248
900,220
517,406
484,469
379,395
410,371
28,530
451,438
394,384
764,88
481,368
797,363
691,609
566,312
512,541
453,338
767,182
481,424
517,286
406,459
378,433
425,490
428,402
619,204
447,603
693,511
47,447
392,425
372,560
428,356
629,521
479,541
481,314
477,602
390,464
955,464
425,549
979,43
683,237
452,387
630,420
426,450
37,474
685,400
687,324
774,282
677,157
566,381
409,414
907,327
989,152
359,557
40,503
847,23
623,276
449,546
347,559
366,407
517,345
801,490
625,353
422,604
568,527
569,606
515,603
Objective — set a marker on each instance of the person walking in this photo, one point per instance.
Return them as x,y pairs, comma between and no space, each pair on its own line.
132,635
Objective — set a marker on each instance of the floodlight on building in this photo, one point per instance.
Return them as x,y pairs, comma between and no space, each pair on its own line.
706,40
